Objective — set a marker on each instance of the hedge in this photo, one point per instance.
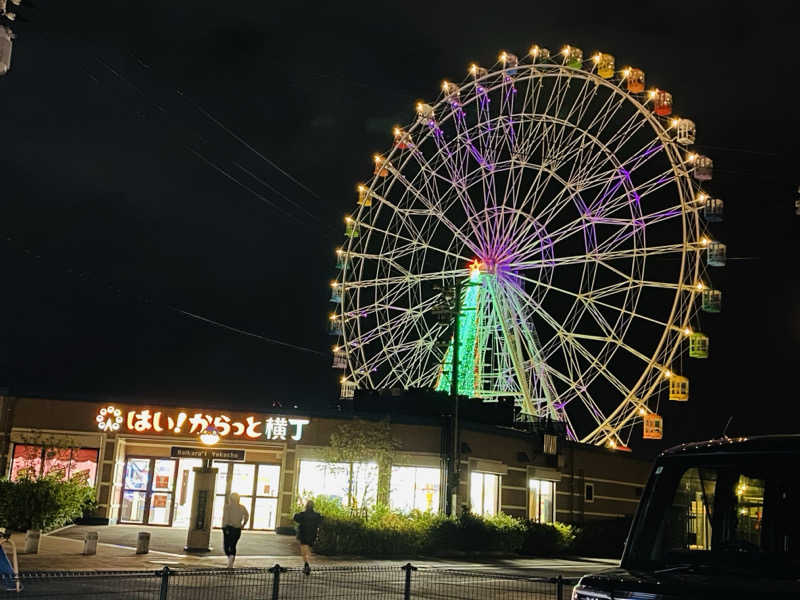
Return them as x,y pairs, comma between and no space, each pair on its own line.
44,503
383,532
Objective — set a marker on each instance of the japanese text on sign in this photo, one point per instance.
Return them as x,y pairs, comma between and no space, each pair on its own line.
149,421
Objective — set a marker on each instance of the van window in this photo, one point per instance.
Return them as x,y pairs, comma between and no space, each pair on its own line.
736,512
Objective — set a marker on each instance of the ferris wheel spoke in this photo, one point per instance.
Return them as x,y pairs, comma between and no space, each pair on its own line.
407,279
572,350
412,244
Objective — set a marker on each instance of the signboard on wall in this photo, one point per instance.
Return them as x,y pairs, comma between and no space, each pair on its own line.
212,453
151,421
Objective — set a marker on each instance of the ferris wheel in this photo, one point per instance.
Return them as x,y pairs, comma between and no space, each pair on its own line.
560,200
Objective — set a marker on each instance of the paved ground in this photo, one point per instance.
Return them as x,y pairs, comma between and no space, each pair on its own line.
172,540
369,579
61,551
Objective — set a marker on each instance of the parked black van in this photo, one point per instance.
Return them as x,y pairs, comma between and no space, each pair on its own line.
718,519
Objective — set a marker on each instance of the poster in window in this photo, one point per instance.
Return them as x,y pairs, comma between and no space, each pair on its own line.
159,501
162,482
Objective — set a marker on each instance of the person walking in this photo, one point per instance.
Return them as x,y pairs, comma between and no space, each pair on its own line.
234,517
307,527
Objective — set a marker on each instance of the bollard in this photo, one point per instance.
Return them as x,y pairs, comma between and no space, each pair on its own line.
90,543
32,538
143,543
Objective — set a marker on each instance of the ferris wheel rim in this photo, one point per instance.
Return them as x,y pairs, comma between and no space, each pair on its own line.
681,178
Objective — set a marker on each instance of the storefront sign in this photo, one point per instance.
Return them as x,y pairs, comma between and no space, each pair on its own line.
151,421
214,453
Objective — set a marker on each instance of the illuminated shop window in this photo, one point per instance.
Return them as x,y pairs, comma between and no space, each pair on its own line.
337,479
29,458
541,497
483,493
415,488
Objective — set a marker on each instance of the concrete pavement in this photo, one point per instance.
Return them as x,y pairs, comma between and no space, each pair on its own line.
61,551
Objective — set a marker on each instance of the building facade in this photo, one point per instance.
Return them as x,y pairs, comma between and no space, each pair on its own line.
140,460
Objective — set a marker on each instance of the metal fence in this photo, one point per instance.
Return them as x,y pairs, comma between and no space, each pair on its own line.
278,583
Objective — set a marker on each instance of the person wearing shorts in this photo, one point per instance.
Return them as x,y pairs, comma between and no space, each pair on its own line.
307,527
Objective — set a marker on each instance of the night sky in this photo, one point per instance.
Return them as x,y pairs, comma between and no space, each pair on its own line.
126,197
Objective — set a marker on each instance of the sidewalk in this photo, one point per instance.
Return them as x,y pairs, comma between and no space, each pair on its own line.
60,553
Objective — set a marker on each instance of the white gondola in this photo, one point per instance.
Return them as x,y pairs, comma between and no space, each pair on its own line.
685,131
717,254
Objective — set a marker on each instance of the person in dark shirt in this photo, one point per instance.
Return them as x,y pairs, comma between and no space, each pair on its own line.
307,526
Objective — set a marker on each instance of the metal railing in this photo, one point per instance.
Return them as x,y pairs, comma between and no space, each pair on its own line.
279,583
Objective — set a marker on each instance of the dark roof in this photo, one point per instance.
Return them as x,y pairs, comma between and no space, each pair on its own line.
758,443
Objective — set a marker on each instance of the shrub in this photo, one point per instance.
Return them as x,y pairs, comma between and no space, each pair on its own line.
545,539
44,503
386,532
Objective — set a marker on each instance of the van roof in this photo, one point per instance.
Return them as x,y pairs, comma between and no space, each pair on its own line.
756,443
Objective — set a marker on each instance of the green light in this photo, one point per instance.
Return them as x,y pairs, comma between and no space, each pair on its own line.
467,325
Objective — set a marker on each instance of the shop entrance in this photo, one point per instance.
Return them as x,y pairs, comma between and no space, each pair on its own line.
148,490
158,491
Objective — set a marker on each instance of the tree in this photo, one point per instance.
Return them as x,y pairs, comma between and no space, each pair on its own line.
358,443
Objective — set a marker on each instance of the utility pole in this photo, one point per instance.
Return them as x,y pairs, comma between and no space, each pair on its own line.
454,372
450,312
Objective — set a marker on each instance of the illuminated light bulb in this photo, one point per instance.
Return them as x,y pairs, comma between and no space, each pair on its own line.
565,50
674,122
396,131
626,72
344,380
378,158
348,220
704,241
339,251
667,373
334,284
503,57
336,348
361,187
652,94
701,197
333,316
534,51
642,411
687,331
612,444
445,85
692,157
473,68
596,58
699,285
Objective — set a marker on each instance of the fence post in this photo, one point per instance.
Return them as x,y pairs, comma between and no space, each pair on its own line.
408,568
276,579
162,594
559,587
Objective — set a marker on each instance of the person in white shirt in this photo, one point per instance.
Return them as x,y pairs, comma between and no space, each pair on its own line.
234,517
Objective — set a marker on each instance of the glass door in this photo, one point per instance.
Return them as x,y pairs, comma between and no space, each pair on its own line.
257,486
161,491
148,490
134,490
185,490
266,497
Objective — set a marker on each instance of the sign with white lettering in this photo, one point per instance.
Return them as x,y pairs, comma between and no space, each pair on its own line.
250,427
212,453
